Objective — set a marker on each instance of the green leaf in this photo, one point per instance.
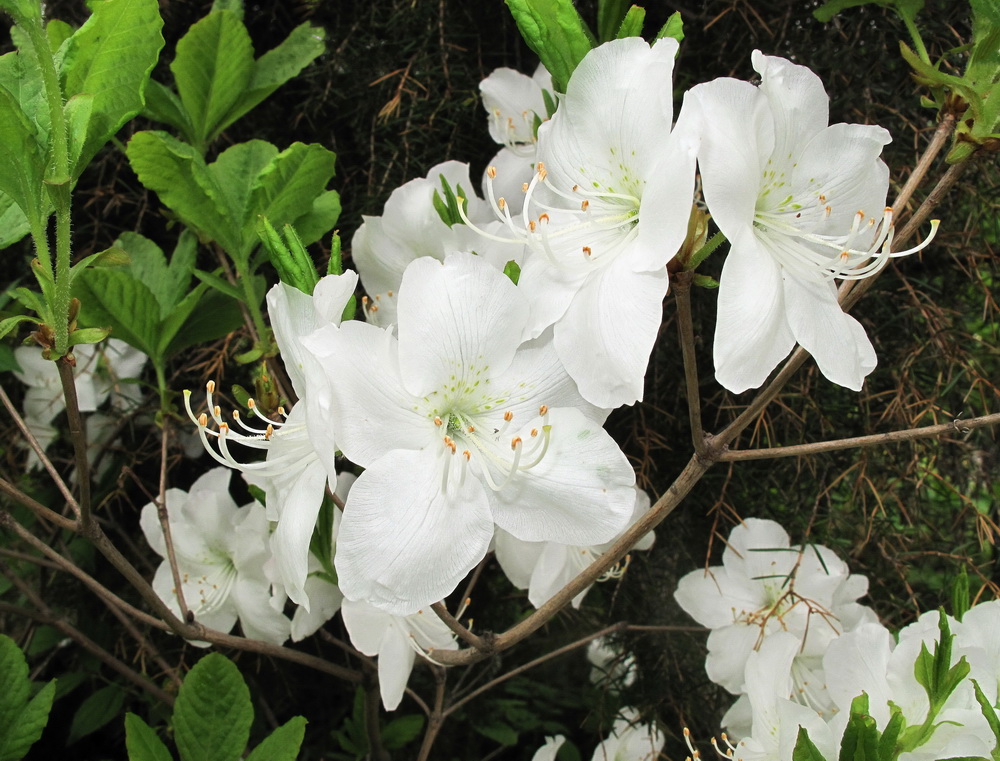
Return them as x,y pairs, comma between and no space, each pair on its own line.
97,710
235,171
500,733
21,720
804,749
289,256
163,105
21,157
88,336
989,712
57,33
292,181
202,316
212,715
142,743
861,737
890,736
114,298
213,67
632,23
276,67
557,34
8,324
402,730
8,362
831,8
169,283
13,223
320,219
21,10
283,743
960,595
109,58
180,177
673,28
513,271
610,15
220,284
234,6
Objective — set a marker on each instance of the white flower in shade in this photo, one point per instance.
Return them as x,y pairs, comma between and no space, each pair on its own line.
300,449
221,551
610,665
604,213
516,106
396,640
764,586
543,568
460,425
630,741
99,373
868,660
802,203
409,228
776,717
548,751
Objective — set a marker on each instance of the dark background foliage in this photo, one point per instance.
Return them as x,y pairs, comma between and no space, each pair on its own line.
396,93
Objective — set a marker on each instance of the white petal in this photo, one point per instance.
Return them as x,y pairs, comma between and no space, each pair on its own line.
580,493
607,334
728,651
456,320
512,100
752,334
257,618
836,340
797,100
395,662
404,544
517,558
366,625
512,172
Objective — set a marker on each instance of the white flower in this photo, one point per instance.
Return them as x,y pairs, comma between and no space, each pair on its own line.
515,104
548,751
609,664
410,228
605,212
764,586
221,550
543,568
801,203
300,450
630,741
396,640
460,425
777,718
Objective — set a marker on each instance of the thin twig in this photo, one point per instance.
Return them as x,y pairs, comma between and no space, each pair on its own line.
36,507
373,724
685,329
78,435
456,626
437,715
46,462
874,439
916,178
164,517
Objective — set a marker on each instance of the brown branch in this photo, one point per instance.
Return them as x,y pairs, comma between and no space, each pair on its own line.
456,626
36,507
164,518
437,715
874,439
78,435
685,329
33,443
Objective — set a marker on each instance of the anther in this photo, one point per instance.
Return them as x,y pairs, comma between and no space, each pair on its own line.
438,421
501,203
524,187
251,404
508,416
534,432
542,173
472,429
216,411
491,172
584,205
543,218
543,409
587,251
224,428
515,442
210,386
468,454
203,420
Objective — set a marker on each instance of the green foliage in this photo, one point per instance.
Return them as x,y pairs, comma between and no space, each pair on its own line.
211,720
105,67
673,28
610,15
804,749
289,256
960,602
448,207
860,740
223,200
353,734
512,270
631,25
22,717
557,34
217,78
97,710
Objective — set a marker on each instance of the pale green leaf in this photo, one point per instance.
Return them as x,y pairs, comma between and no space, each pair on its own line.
212,715
674,28
110,57
163,105
276,67
283,743
78,111
21,76
114,298
98,709
235,172
13,223
147,263
610,14
557,34
142,743
21,157
292,182
57,33
213,67
180,177
632,23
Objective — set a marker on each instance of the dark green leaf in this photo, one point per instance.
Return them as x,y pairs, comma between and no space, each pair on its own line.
141,741
282,744
402,730
114,298
213,67
21,157
513,271
989,712
804,749
13,223
212,715
235,173
320,219
291,182
500,733
21,720
8,361
97,710
109,58
234,6
831,8
206,316
9,323
163,105
610,14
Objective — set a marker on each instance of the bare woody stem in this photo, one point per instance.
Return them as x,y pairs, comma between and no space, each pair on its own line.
437,715
164,518
799,450
78,435
685,327
456,626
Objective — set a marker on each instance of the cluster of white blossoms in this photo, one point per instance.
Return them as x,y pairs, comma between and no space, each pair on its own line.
787,636
500,331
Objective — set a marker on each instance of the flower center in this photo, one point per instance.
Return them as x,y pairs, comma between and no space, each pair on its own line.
465,436
591,229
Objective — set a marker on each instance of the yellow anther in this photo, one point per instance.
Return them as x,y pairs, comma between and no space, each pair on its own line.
508,416
515,442
438,421
491,172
